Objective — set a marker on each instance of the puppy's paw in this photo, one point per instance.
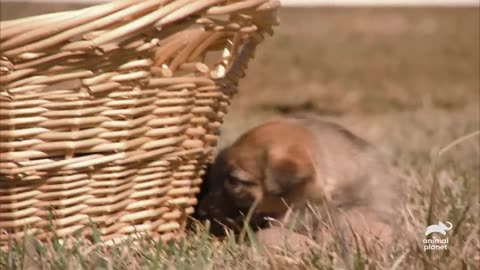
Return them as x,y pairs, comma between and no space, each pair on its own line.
279,238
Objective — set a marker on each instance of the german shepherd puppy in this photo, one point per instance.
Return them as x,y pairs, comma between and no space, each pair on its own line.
307,174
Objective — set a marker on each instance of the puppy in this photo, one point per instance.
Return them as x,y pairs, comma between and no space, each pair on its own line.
309,175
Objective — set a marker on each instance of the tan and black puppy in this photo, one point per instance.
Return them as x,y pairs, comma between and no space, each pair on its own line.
316,170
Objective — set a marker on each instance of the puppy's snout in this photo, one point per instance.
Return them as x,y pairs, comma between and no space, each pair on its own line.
205,209
202,212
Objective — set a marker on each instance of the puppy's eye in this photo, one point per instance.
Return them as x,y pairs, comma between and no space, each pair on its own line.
233,181
236,181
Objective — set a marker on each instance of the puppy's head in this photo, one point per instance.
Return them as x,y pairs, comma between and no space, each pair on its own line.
270,167
217,205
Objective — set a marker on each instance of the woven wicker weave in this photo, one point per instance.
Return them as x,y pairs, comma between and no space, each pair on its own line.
110,113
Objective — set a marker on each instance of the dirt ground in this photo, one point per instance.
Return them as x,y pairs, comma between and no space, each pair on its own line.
403,78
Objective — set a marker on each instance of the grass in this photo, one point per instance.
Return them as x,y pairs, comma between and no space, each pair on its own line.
405,79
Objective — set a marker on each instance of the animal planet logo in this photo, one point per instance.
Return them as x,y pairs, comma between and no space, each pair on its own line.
437,243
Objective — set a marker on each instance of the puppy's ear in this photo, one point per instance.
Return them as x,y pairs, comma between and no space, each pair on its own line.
217,172
286,168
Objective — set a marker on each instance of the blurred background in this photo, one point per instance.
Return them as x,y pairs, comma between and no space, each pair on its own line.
402,73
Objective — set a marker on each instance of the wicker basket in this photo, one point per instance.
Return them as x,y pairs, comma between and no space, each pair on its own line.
110,113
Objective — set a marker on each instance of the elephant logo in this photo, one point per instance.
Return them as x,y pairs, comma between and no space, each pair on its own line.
438,228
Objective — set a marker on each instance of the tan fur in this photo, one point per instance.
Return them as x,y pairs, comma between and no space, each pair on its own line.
315,171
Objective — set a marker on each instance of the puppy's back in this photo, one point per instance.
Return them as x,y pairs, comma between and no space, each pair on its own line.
355,173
